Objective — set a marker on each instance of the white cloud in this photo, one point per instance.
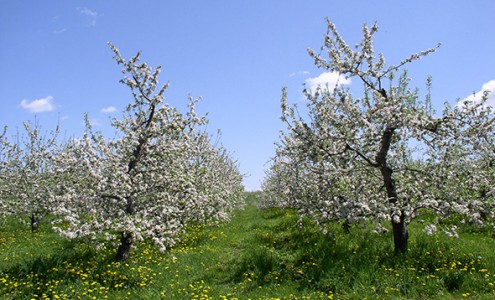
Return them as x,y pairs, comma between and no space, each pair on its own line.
38,105
476,97
92,15
331,78
299,73
108,110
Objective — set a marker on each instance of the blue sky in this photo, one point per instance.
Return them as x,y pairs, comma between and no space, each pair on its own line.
237,55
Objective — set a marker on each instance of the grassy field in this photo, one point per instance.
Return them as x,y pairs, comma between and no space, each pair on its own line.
260,254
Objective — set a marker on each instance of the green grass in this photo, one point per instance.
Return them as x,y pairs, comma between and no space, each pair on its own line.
260,254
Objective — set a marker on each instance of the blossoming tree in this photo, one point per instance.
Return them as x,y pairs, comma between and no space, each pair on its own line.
381,156
27,173
161,173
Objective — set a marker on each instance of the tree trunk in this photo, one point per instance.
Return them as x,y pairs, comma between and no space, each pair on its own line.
346,226
35,220
399,229
401,236
124,249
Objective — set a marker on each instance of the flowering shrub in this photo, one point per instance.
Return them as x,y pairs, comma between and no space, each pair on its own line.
382,156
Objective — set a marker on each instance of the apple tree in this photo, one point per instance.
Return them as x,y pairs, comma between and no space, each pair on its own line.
160,173
380,153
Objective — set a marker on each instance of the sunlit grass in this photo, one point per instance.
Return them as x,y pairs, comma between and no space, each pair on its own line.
258,255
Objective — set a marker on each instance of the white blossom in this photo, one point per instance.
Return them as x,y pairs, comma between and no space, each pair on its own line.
430,229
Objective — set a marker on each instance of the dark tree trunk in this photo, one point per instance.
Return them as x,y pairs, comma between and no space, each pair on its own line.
346,226
124,249
401,236
35,221
399,228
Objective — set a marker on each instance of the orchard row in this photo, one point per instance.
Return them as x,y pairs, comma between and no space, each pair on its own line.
162,172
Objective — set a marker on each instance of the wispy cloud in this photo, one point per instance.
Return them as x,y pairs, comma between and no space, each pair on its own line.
38,105
90,14
299,73
331,79
60,31
487,86
56,20
108,110
94,122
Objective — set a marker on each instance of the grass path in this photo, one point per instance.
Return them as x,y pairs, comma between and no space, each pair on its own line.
233,261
